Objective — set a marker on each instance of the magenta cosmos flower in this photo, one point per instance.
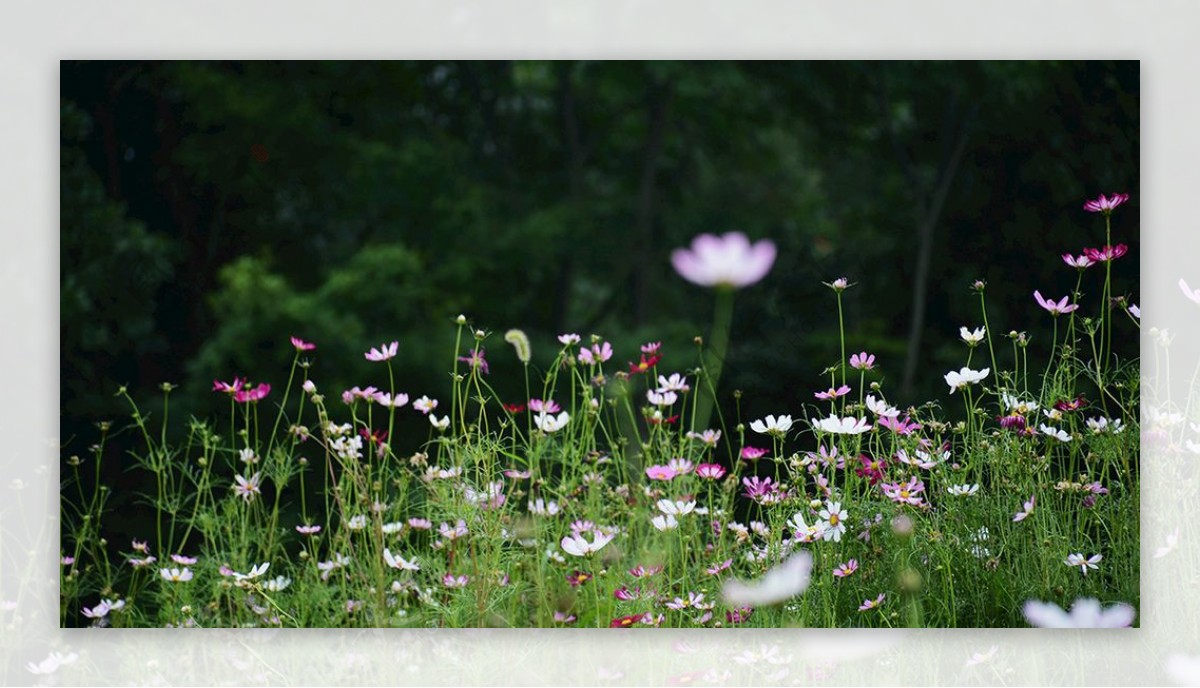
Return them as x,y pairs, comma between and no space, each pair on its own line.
1105,205
1103,255
724,261
302,345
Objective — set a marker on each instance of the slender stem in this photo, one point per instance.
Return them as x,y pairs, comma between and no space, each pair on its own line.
719,344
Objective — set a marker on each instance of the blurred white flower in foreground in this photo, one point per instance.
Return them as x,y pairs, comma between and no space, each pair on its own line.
1085,613
775,586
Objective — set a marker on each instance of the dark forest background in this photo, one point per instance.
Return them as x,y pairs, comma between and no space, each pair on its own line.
211,209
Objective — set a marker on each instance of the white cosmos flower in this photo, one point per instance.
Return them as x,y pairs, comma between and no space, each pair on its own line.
255,572
1100,425
1085,613
550,423
963,490
661,398
578,546
834,521
772,426
775,586
842,426
1184,669
1058,434
675,383
881,408
971,338
664,522
964,377
675,508
804,532
440,423
1084,563
398,562
278,583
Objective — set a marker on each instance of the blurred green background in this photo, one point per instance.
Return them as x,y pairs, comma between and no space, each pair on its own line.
211,209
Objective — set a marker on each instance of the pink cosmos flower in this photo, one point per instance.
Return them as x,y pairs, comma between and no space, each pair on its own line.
257,394
568,339
476,360
1103,255
715,569
517,475
708,437
871,604
563,617
900,427
680,466
640,571
184,560
725,261
598,353
651,348
1027,511
1055,309
660,473
832,393
907,493
420,523
233,387
308,530
451,581
302,345
547,406
710,471
846,569
753,453
1105,205
383,353
862,361
1080,262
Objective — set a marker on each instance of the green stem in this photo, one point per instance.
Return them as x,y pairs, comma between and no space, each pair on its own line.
719,341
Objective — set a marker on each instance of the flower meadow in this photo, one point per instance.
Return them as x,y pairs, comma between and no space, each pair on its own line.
617,490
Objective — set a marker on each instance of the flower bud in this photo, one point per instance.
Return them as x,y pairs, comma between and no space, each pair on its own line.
461,319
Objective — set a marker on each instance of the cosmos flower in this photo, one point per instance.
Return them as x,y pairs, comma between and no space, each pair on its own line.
845,569
247,488
383,353
710,471
425,404
965,377
548,423
1026,511
1105,205
660,473
1079,262
777,585
871,604
174,575
729,261
842,426
834,521
1106,254
596,354
776,427
568,339
972,338
832,393
577,546
674,383
862,361
1085,613
1084,563
1055,308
